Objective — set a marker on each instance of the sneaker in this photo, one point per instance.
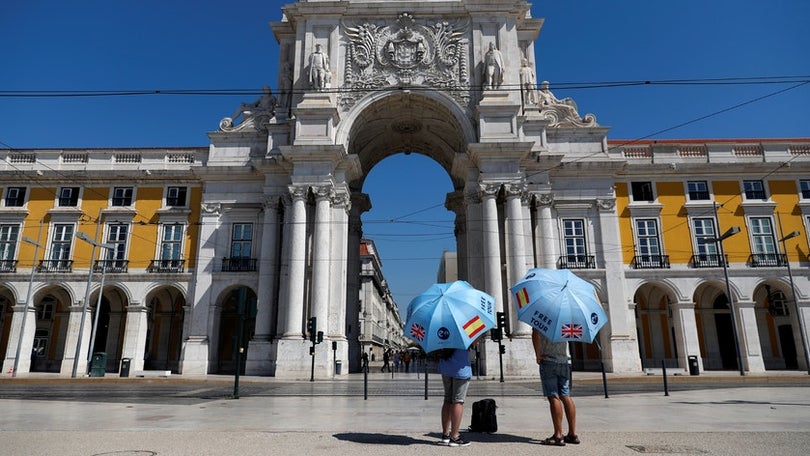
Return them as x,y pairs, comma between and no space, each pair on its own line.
445,439
459,442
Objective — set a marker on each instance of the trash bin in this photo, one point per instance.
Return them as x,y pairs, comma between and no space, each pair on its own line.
693,366
98,364
338,364
125,363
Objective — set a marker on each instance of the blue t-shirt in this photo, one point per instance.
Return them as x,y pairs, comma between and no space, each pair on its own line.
457,365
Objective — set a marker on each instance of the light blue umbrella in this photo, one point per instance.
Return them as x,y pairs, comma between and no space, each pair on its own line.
449,315
560,305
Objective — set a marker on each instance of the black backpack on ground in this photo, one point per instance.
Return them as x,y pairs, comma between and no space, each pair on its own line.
483,416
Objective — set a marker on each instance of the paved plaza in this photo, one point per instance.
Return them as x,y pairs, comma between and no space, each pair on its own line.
185,416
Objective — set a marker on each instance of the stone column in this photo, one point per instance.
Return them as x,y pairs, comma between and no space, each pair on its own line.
338,300
27,342
258,358
72,338
135,335
492,244
686,333
621,349
547,232
321,255
195,359
748,335
358,204
292,326
516,250
455,202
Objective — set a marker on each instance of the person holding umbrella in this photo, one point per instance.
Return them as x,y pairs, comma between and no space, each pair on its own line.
447,319
560,307
456,372
555,375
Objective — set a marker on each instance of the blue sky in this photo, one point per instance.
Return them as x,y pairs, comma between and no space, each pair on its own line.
169,45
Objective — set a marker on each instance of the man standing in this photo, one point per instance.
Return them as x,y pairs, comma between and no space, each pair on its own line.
493,68
319,73
555,375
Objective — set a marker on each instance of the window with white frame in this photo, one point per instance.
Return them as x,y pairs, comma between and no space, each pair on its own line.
754,189
176,196
241,240
61,241
45,309
574,239
762,238
804,188
40,346
122,196
698,190
14,197
9,235
649,245
171,243
117,236
68,196
705,233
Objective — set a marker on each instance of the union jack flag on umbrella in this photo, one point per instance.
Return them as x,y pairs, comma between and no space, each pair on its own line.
560,305
449,315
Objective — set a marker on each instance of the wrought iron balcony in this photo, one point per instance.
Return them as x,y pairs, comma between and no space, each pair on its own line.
576,262
651,262
111,266
709,260
238,264
8,265
55,266
767,260
166,266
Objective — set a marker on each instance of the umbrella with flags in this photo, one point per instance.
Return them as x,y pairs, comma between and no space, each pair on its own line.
560,305
449,315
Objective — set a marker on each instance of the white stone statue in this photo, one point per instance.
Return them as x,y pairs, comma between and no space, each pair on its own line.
493,68
320,75
528,82
563,112
253,115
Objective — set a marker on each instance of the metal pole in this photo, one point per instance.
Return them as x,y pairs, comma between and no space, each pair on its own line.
86,298
84,315
94,328
664,374
240,328
27,300
799,315
728,293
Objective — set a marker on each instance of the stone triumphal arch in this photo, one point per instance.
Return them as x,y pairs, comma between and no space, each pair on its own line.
359,81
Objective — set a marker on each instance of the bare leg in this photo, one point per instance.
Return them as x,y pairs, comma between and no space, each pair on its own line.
570,414
556,407
456,412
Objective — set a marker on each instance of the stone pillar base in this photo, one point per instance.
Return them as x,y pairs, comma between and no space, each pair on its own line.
259,359
195,356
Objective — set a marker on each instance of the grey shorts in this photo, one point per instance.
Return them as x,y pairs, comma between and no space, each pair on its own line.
455,389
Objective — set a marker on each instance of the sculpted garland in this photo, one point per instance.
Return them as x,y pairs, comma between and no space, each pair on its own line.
405,54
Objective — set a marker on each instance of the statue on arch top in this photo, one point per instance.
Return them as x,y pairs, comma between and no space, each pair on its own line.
320,76
562,113
493,68
253,115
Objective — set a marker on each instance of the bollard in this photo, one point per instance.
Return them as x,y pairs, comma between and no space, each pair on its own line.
604,379
365,383
426,380
664,372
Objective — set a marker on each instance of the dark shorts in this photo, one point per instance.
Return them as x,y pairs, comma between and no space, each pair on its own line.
455,389
556,378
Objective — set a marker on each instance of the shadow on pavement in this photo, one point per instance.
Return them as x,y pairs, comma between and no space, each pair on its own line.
384,439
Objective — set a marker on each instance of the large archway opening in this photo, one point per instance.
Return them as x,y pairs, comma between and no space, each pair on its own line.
408,146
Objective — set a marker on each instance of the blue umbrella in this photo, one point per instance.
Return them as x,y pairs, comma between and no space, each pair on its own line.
560,305
449,315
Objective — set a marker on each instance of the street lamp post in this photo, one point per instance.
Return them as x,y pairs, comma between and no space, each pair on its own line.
86,238
730,232
27,301
799,315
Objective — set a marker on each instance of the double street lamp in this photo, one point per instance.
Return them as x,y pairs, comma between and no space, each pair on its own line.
799,315
84,237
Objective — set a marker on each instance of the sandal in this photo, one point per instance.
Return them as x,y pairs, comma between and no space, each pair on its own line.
571,438
553,441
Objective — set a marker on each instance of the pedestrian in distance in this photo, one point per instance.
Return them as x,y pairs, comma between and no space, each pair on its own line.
386,361
454,367
555,375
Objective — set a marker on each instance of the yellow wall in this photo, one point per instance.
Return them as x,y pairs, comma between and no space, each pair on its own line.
625,224
675,233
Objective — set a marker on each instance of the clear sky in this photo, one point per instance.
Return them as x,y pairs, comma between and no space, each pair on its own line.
94,45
